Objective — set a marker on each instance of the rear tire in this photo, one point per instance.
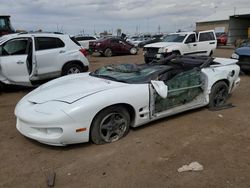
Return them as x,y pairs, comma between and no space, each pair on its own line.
218,95
108,52
110,125
72,68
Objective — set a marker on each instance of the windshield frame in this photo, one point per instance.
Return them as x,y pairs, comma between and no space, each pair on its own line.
140,75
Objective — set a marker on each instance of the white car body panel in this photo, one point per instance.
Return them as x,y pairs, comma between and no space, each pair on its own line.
207,47
54,112
161,44
14,69
85,43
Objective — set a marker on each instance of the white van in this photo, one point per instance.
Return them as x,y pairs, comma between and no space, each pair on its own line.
182,43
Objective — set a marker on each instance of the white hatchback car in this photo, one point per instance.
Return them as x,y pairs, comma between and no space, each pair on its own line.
30,58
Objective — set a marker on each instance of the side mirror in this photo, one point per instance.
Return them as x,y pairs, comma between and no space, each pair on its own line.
160,88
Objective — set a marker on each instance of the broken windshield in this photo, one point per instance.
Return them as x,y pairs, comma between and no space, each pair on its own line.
174,38
128,73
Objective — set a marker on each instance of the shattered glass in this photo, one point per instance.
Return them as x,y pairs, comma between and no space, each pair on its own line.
182,89
129,73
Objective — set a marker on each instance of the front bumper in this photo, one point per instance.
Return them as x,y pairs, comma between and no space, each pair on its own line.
152,54
54,135
56,128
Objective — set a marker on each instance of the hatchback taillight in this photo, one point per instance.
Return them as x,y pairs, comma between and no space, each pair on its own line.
84,51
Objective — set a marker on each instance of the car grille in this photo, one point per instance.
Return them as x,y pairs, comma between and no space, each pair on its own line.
152,50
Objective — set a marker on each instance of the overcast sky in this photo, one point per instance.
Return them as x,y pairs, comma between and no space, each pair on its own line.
76,16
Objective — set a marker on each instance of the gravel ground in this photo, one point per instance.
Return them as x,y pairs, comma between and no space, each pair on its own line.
148,156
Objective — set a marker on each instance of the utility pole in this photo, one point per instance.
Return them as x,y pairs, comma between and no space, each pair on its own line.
159,29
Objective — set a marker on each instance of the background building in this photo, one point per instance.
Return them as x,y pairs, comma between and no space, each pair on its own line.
235,22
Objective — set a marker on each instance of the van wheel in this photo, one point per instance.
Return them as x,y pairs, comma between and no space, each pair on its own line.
72,68
211,53
108,52
147,60
177,53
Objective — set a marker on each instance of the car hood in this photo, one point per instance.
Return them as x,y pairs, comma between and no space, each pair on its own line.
161,44
71,88
243,51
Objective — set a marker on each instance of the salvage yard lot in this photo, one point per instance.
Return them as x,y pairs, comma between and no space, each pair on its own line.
148,156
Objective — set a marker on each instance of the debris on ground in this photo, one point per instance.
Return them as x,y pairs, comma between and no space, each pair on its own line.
51,179
194,166
221,116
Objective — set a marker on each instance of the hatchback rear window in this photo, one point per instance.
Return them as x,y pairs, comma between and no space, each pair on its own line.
45,43
75,41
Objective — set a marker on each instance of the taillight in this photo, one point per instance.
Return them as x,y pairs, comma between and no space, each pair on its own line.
84,51
3,33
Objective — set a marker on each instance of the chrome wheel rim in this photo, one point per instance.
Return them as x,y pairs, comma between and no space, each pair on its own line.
108,52
133,51
113,127
73,70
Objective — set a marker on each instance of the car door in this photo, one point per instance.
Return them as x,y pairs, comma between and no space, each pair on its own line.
207,42
115,45
182,90
48,51
190,45
15,63
125,47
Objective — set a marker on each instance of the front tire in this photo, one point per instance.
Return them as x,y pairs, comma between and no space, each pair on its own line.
110,125
72,68
133,51
218,95
147,60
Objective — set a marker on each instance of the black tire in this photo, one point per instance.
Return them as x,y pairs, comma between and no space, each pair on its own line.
211,53
218,95
176,53
110,125
2,87
147,60
72,68
133,51
108,52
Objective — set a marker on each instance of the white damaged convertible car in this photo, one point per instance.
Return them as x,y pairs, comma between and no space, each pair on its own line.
102,105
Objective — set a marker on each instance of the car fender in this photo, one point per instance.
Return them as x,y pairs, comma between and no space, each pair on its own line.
213,75
135,95
73,56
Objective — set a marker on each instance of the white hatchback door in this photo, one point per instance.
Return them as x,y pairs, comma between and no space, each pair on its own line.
48,52
207,42
14,60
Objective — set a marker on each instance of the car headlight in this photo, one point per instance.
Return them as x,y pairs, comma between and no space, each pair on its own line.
98,44
235,56
162,50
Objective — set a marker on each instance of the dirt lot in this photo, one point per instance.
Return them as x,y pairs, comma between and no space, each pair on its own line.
147,157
